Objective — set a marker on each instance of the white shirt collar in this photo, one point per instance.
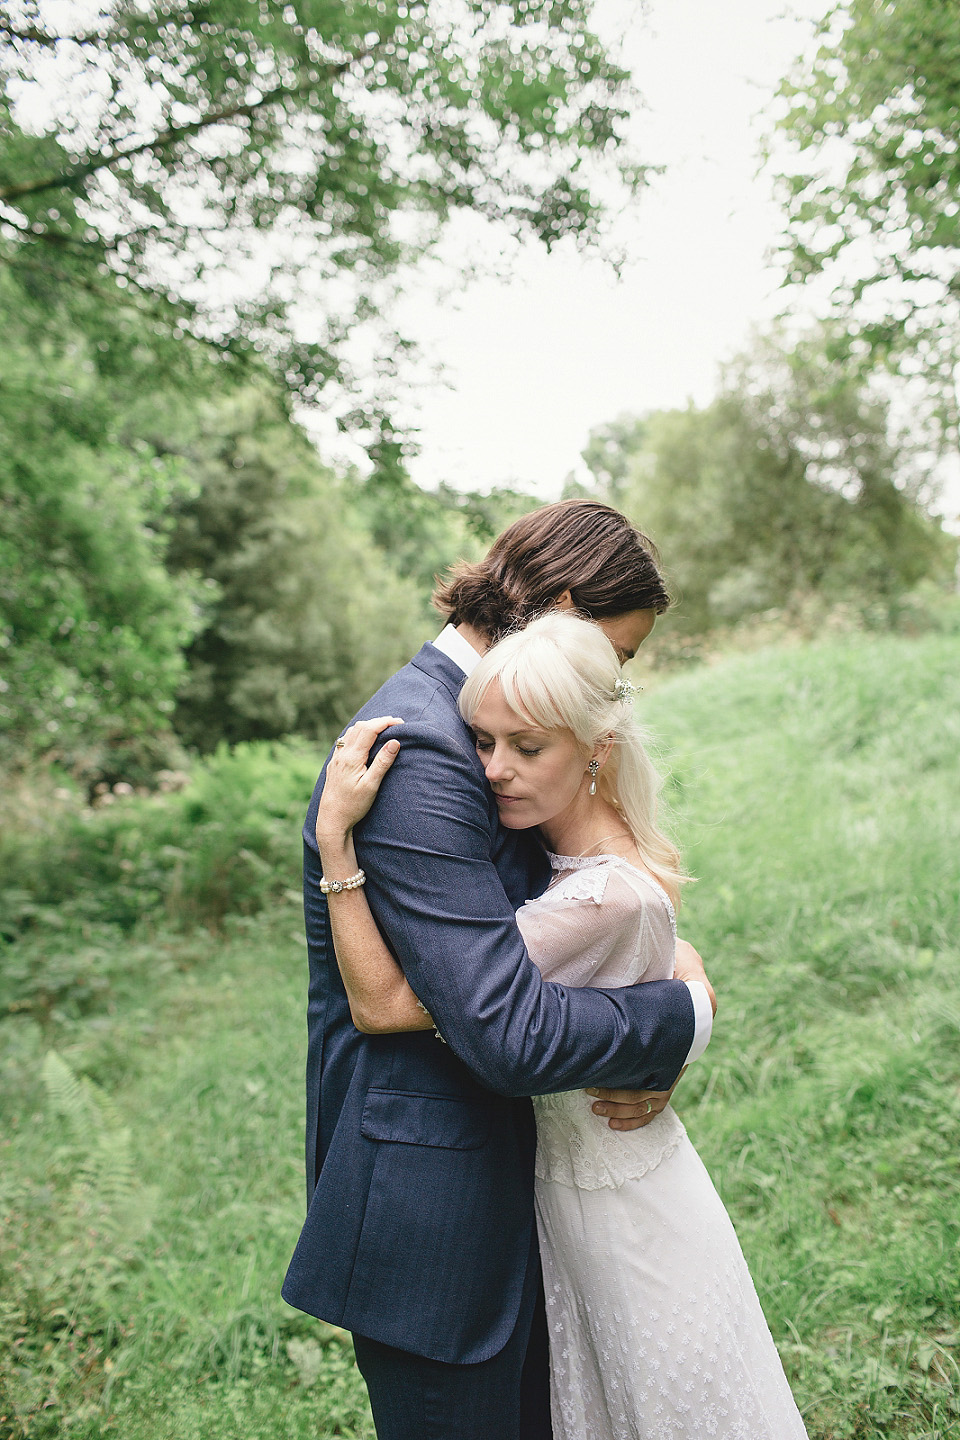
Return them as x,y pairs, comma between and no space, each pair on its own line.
452,644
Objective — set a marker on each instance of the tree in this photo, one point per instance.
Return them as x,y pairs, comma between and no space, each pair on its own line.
422,532
319,583
91,624
608,453
789,485
875,119
230,166
307,616
189,196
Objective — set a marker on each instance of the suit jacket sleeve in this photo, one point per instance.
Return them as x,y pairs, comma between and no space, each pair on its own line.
437,896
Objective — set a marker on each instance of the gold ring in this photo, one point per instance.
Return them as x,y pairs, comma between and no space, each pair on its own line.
339,744
649,1105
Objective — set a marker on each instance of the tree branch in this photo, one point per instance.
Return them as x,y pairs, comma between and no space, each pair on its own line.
55,237
77,173
226,345
30,35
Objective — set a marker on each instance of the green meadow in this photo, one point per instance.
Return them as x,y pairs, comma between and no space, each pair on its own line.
152,1041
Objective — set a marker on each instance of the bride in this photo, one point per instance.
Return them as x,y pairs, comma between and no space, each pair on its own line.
656,1332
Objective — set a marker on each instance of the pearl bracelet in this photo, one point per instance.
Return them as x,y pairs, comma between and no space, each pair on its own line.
334,887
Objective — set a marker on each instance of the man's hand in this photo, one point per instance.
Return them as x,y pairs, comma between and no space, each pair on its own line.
631,1109
689,966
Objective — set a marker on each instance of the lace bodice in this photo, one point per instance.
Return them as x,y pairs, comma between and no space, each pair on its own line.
602,922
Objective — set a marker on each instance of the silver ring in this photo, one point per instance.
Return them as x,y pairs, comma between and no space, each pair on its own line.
649,1105
339,744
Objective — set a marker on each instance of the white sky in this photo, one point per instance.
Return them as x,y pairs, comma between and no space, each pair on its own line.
533,362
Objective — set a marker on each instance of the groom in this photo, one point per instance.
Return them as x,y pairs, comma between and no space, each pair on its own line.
420,1234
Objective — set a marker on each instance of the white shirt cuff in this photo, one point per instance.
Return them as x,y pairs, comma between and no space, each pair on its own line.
703,1019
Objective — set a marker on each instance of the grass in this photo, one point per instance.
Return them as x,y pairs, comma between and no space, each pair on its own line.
149,1211
819,795
170,1322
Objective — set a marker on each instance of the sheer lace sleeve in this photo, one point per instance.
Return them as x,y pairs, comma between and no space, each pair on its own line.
600,924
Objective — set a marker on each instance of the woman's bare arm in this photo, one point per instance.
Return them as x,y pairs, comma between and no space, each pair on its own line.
381,1001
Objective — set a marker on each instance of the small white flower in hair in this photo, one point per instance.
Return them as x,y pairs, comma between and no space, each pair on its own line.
625,690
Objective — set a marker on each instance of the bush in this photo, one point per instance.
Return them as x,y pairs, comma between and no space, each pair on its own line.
227,844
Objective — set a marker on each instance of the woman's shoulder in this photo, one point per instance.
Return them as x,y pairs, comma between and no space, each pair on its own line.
610,880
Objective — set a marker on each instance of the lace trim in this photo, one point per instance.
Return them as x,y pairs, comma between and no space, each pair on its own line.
582,863
577,1148
581,885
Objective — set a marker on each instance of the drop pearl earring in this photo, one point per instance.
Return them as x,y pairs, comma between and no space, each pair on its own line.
593,767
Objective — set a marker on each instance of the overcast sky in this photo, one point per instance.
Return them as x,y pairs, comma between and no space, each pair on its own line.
533,361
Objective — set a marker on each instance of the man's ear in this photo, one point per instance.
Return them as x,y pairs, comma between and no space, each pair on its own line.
564,600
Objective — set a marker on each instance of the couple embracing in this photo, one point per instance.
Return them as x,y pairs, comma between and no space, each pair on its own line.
490,914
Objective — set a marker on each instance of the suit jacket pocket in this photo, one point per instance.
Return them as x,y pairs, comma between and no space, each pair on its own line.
407,1118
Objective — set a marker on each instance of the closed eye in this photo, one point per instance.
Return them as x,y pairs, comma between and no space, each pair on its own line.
481,744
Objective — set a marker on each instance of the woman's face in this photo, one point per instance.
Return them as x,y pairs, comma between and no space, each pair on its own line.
535,774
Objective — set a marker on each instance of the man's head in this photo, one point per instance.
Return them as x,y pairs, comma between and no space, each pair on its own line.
577,554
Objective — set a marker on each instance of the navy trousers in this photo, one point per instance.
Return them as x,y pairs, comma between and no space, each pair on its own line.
504,1398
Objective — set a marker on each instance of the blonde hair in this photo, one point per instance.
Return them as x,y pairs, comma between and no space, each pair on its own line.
561,672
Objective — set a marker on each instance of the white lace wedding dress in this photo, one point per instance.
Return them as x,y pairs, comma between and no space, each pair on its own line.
656,1332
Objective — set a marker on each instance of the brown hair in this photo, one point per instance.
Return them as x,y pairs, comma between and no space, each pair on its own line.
582,546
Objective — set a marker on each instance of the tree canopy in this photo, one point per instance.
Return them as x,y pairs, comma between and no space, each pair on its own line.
874,200
224,164
307,614
788,487
200,204
92,625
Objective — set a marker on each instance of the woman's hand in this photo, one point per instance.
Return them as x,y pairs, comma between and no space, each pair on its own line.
350,786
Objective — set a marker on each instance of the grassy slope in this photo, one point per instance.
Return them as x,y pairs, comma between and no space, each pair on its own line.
821,792
819,799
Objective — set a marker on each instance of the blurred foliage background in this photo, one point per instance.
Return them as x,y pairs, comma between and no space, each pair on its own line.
198,210
201,208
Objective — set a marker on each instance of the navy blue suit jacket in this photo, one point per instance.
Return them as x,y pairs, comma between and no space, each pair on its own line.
419,1153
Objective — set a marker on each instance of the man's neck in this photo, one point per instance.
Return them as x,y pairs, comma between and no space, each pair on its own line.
474,637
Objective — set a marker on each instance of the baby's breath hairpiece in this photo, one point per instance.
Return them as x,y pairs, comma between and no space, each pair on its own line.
625,690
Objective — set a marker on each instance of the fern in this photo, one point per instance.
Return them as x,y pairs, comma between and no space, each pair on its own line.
105,1186
61,1263
63,1088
